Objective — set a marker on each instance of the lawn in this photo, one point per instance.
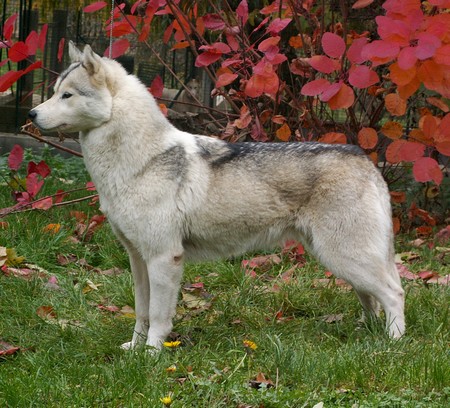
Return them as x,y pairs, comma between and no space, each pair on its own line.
272,337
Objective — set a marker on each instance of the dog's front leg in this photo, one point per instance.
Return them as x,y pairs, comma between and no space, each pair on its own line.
165,272
142,298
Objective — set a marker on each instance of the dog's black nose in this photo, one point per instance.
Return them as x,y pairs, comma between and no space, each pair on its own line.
32,114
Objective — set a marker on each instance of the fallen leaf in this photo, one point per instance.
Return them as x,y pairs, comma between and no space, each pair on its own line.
109,272
405,273
7,349
332,318
195,302
110,308
90,286
261,382
52,284
65,259
46,312
127,312
408,257
443,236
440,280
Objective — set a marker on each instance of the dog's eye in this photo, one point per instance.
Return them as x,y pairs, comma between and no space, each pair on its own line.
66,95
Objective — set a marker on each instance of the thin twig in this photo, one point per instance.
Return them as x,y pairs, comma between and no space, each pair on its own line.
14,210
24,130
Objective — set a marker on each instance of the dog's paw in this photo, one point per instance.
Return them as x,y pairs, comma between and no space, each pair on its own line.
129,345
152,350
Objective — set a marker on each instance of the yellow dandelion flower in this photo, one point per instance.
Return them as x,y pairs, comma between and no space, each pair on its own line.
250,344
171,369
171,344
167,401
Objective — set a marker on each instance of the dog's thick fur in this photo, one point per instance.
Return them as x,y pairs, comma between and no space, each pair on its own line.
171,196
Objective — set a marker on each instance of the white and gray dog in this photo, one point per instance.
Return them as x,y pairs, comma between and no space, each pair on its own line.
171,196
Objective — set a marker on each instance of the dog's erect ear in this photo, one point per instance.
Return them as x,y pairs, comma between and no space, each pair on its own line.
74,53
91,61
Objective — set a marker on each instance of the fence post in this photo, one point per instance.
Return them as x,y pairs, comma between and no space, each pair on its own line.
58,31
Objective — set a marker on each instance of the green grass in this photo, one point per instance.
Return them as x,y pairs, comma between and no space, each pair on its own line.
74,359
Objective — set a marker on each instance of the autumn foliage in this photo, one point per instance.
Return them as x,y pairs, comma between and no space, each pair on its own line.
295,71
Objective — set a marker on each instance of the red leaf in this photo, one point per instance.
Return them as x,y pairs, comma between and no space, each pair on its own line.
354,53
380,51
212,54
427,45
119,48
18,52
7,349
225,79
156,87
34,185
443,236
6,80
359,4
259,84
32,42
367,138
427,169
213,22
121,28
90,186
405,273
332,90
393,151
207,58
245,118
443,147
42,37
333,45
333,138
42,168
44,204
35,65
362,77
315,87
442,55
242,11
407,58
15,158
59,197
343,99
278,25
393,30
268,42
411,151
168,33
323,64
61,49
8,28
98,5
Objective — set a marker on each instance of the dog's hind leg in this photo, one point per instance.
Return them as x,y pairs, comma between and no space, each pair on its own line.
371,307
374,285
360,254
165,273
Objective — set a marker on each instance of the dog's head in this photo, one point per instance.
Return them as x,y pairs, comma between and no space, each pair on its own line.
83,94
194,88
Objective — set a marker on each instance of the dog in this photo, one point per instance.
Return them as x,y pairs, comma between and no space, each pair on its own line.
172,197
183,101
